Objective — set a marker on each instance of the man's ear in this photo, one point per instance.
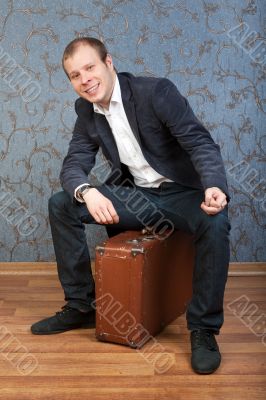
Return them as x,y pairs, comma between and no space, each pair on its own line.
109,61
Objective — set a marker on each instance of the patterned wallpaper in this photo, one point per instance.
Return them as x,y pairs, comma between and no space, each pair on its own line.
213,50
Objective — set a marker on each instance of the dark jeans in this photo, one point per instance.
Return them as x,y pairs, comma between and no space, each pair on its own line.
180,205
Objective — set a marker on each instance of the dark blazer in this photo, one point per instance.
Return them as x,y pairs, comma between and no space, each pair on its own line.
172,139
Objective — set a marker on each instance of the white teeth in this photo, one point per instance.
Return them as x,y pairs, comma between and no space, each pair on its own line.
92,89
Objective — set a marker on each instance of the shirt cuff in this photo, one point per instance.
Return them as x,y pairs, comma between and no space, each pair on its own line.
75,192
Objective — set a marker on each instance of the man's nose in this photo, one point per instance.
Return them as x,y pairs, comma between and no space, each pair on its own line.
85,77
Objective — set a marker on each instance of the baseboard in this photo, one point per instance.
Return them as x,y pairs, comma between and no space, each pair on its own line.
49,268
247,269
28,268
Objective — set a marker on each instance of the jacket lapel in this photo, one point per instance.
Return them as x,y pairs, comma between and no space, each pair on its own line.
129,105
107,138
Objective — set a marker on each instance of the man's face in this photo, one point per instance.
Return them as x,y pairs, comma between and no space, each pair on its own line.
90,77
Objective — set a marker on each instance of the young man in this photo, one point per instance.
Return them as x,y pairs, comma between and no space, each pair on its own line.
157,148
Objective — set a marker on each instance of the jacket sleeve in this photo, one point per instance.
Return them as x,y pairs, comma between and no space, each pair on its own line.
175,112
79,160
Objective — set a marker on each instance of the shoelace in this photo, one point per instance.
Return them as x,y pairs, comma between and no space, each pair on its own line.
204,338
64,310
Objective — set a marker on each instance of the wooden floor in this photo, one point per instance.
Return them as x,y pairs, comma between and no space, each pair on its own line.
74,365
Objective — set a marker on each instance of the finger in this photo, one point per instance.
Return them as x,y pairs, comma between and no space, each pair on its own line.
100,217
113,213
208,197
105,216
115,218
218,200
214,203
221,201
96,217
108,215
210,210
219,195
224,203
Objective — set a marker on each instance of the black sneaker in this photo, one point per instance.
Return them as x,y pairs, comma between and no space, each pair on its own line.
206,356
65,320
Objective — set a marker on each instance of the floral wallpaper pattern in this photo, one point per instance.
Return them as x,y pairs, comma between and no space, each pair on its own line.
213,50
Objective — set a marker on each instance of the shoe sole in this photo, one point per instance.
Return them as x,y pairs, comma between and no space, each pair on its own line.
206,372
83,326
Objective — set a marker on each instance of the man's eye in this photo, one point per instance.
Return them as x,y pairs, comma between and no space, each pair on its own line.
74,76
90,67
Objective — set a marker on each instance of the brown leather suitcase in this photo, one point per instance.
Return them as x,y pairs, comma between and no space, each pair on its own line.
142,284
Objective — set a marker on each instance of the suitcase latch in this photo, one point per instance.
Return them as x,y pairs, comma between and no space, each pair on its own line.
137,250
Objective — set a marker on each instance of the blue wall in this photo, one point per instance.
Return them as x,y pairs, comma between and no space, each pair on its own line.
198,44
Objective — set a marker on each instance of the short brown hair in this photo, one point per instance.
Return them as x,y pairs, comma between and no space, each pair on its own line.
86,41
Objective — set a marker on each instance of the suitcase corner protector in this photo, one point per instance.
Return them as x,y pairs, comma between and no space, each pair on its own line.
101,336
133,345
100,249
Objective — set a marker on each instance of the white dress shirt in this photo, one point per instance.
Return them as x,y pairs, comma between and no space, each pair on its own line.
128,147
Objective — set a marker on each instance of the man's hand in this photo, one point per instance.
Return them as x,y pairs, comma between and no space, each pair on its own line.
100,207
215,201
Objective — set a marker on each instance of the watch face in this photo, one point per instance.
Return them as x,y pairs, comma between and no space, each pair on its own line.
84,188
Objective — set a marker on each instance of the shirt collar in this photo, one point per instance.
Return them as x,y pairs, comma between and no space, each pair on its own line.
115,98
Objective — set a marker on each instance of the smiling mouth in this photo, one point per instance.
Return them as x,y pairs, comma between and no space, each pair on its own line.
92,89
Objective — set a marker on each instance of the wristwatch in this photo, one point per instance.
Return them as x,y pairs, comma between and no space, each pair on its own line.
82,191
